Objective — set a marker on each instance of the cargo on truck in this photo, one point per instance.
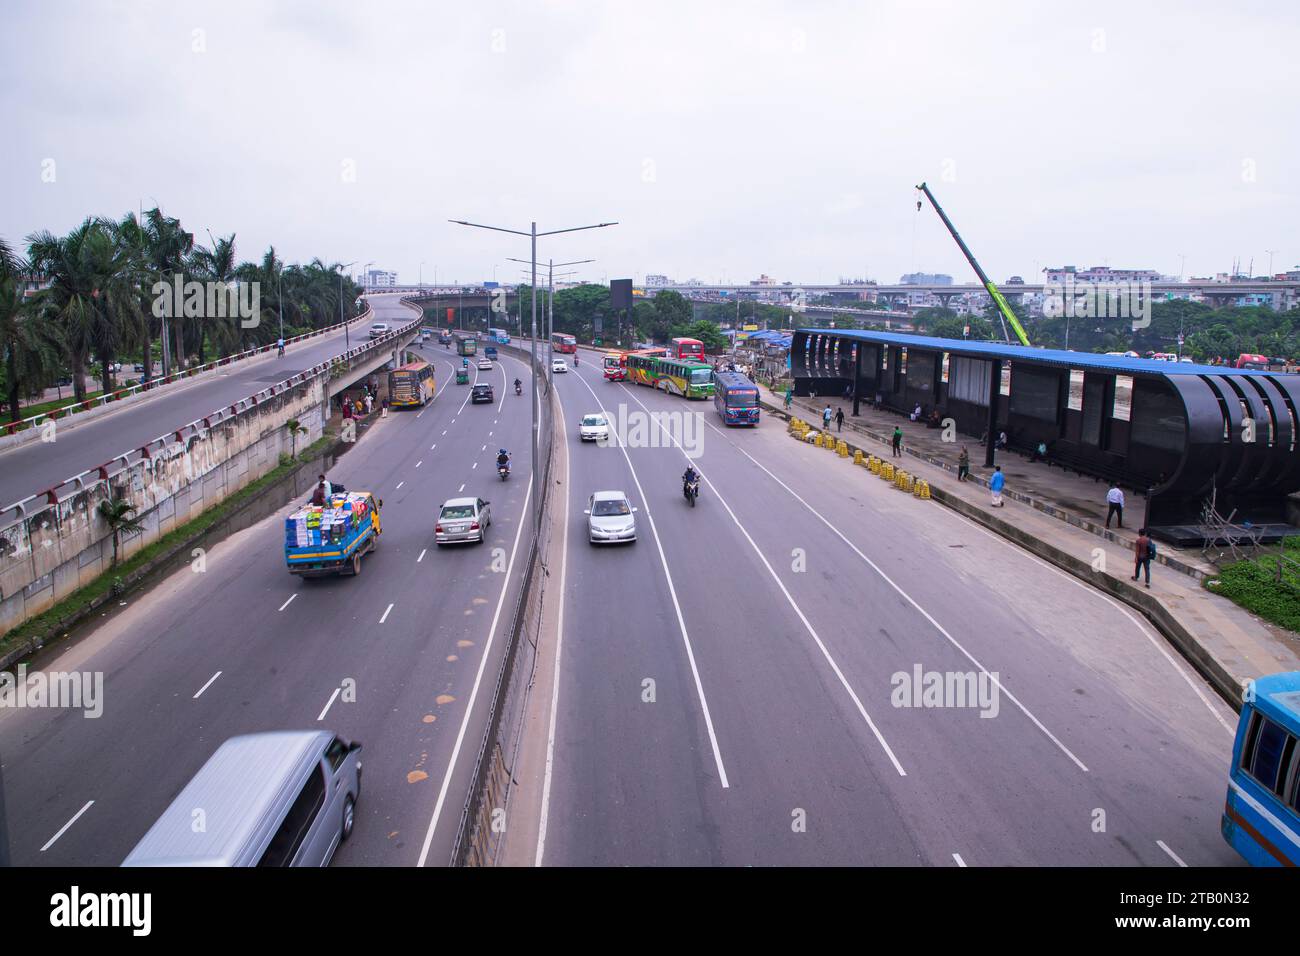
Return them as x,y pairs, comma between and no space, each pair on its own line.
332,538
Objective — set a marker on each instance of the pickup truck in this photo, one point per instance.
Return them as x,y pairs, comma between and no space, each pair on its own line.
331,539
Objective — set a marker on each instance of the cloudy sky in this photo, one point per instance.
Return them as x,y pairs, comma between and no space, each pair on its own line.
727,140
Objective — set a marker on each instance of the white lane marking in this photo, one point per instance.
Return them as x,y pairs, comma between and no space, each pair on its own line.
812,632
74,819
1172,854
958,859
399,486
288,602
924,613
555,679
478,680
489,436
672,591
328,704
207,685
385,617
419,463
422,554
484,448
460,489
495,420
1153,638
444,431
473,466
417,417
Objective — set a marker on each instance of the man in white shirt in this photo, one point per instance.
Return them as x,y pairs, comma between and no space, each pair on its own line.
1114,504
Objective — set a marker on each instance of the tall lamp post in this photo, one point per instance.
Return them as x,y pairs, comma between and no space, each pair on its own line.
550,299
532,234
347,341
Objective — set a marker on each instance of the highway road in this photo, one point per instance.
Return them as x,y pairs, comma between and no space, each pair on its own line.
33,467
392,658
730,686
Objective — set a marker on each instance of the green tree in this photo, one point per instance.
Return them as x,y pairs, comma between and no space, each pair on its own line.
117,515
704,330
672,308
29,346
295,428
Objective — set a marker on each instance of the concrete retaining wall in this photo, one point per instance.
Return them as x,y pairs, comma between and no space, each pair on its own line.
51,552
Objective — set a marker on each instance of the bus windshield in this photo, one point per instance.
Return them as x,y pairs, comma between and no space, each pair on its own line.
742,398
701,376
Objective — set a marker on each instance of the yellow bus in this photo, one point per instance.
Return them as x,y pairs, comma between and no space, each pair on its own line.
411,386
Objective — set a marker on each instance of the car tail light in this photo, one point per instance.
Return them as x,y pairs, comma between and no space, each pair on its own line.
437,528
474,526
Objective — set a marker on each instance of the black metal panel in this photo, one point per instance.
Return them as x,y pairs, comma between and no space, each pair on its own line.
1254,453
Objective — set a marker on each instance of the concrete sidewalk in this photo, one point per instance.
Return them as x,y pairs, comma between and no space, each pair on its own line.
1060,516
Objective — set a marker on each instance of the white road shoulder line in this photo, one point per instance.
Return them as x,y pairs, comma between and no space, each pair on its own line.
75,817
328,704
422,554
207,685
385,615
288,602
1174,856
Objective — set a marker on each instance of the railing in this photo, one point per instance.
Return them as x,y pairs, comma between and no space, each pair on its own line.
117,395
114,466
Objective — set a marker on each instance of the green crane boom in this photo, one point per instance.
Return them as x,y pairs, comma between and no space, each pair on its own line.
1007,315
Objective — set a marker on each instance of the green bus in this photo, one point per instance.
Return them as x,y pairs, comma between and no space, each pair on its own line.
466,344
677,376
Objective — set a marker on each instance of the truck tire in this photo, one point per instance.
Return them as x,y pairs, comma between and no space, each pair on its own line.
356,564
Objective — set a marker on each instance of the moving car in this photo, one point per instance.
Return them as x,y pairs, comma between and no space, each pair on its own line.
594,427
610,518
485,364
482,392
285,798
462,520
559,365
378,329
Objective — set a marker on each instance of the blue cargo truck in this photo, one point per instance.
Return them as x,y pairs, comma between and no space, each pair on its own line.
332,538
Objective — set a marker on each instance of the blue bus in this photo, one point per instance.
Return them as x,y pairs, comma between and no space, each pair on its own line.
499,336
736,398
1261,816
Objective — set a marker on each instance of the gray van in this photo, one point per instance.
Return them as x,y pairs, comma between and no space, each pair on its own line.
286,798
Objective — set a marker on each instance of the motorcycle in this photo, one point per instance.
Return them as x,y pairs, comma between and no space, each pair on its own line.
691,489
503,471
519,390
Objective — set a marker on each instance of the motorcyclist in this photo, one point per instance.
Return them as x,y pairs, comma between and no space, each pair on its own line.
689,478
519,386
503,460
279,344
575,359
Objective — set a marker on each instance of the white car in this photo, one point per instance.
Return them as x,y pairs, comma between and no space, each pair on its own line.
559,365
378,329
593,427
610,518
485,364
462,519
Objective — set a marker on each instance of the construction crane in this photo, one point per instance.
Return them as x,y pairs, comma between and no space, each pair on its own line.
1006,314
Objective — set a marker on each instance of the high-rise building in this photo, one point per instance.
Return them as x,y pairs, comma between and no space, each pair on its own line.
379,279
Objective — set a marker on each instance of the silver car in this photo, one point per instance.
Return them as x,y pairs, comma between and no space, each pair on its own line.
593,427
462,520
378,329
610,518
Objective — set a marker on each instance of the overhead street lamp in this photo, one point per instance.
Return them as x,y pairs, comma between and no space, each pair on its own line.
532,234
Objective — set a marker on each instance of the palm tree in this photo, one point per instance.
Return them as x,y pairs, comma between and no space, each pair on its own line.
168,246
117,514
29,346
218,264
133,242
295,428
70,262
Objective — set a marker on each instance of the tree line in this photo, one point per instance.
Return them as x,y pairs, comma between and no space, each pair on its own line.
99,304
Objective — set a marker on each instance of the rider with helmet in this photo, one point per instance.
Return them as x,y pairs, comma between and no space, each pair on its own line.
503,459
690,477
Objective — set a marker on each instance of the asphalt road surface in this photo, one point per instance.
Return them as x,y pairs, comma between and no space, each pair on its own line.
731,686
31,468
244,646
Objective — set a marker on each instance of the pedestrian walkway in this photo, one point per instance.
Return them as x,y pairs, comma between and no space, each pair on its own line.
1060,517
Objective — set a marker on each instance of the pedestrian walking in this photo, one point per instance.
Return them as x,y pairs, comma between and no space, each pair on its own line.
898,441
963,464
1144,549
839,419
384,408
370,401
789,397
996,484
1115,504
347,408
826,419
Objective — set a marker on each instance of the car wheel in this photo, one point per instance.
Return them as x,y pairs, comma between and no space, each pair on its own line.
349,816
356,565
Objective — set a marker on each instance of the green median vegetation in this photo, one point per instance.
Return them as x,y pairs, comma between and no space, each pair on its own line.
1255,584
44,626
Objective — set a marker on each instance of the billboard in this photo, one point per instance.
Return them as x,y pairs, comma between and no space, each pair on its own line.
620,293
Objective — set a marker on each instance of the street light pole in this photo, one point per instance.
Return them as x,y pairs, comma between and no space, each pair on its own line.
347,341
533,234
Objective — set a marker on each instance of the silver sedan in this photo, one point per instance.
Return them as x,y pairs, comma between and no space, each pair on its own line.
462,520
610,518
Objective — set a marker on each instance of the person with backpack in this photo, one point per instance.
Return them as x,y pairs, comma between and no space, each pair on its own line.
1144,552
826,419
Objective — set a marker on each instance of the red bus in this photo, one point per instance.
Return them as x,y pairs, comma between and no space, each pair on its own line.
690,349
561,342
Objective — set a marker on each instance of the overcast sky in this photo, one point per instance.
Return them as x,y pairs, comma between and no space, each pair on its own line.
726,139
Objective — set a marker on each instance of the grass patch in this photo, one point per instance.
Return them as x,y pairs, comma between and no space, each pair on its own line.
1254,585
42,625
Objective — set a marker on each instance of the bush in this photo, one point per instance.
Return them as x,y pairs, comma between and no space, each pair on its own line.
1254,585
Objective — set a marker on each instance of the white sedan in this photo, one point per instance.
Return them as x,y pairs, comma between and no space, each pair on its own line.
593,427
559,365
485,364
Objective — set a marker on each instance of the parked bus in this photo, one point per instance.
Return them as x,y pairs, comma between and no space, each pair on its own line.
411,385
1261,816
499,336
562,342
689,349
466,344
1245,360
736,398
688,379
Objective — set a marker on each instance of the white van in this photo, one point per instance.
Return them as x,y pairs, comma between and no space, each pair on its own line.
285,798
